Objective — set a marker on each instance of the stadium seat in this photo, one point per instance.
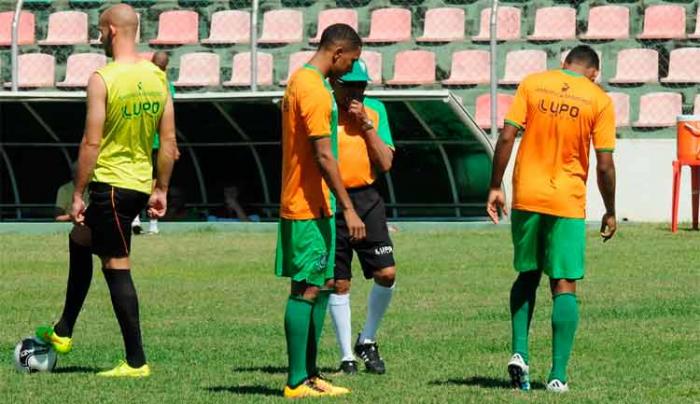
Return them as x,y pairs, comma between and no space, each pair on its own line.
696,34
636,66
80,67
508,28
554,24
332,16
443,25
282,27
622,109
521,63
683,66
35,70
608,22
198,69
67,28
229,27
179,27
25,32
696,105
240,72
97,40
482,115
664,21
413,67
389,25
296,61
469,67
658,110
373,60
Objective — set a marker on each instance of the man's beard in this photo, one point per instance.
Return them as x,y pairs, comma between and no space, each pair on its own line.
107,45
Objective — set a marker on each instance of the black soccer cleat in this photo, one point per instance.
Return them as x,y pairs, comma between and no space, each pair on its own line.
369,353
348,367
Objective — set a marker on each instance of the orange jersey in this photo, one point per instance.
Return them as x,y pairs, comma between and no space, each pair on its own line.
353,157
308,111
561,112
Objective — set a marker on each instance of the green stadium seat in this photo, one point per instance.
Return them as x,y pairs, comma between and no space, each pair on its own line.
36,3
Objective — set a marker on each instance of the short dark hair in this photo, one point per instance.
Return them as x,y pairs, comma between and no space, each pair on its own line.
584,55
337,33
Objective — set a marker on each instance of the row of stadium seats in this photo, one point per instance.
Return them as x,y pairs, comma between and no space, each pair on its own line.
656,110
413,67
387,25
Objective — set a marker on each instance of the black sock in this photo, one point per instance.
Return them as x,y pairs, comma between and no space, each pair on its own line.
126,308
79,278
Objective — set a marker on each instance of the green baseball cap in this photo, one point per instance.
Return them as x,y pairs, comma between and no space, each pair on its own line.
357,74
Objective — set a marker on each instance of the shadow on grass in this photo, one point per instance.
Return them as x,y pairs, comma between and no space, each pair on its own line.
479,381
77,369
273,370
246,390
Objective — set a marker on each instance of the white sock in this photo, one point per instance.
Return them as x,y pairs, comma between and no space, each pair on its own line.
378,302
339,306
153,225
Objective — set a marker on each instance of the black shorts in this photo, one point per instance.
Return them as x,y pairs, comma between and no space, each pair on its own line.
109,218
376,251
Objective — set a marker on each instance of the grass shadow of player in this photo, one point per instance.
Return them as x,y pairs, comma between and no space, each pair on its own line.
485,382
77,369
273,370
245,390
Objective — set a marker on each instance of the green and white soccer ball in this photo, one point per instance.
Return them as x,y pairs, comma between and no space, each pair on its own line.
32,355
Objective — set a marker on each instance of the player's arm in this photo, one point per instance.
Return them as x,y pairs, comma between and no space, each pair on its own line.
90,145
167,154
501,157
379,153
604,143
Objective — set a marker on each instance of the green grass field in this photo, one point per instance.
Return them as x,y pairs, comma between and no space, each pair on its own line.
212,321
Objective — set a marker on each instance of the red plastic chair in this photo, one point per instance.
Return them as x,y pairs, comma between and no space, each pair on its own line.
554,24
296,61
332,16
443,25
229,27
373,60
282,27
198,69
683,66
389,25
25,32
688,154
482,115
622,109
35,70
80,67
664,22
67,28
608,22
508,28
179,27
240,72
413,67
636,66
522,63
659,110
469,67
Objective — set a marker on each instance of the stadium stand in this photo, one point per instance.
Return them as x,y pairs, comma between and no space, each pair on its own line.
683,66
80,67
469,67
696,33
389,25
508,29
413,67
35,70
373,60
520,63
659,109
332,16
622,109
180,27
229,27
282,27
26,28
608,22
241,77
443,25
554,24
296,60
198,69
482,114
67,28
636,66
664,21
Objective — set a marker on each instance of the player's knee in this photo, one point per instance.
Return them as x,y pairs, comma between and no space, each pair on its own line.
81,235
122,263
385,277
559,286
342,286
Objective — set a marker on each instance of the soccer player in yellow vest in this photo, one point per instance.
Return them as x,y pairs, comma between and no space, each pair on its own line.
561,112
305,242
364,148
127,102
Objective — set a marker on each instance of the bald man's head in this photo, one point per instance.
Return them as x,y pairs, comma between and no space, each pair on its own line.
161,60
118,23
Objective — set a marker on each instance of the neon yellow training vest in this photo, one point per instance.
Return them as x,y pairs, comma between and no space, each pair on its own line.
136,97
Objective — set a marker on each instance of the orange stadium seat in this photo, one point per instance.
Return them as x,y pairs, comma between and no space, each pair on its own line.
521,63
296,61
373,60
608,22
79,68
35,70
389,25
25,32
282,27
67,28
683,66
240,72
332,16
198,69
178,27
413,67
508,28
622,109
482,115
554,23
658,110
469,67
636,66
443,25
664,21
229,27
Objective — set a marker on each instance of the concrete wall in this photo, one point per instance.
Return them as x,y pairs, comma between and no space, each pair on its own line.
644,182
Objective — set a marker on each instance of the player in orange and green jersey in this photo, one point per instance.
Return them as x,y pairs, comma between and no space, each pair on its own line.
310,174
365,148
561,113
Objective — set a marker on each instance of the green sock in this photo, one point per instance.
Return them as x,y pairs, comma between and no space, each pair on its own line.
297,318
564,322
522,304
318,314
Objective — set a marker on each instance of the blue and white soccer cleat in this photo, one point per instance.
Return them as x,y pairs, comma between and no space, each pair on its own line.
519,373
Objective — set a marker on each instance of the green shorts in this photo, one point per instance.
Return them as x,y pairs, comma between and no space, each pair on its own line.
304,249
555,245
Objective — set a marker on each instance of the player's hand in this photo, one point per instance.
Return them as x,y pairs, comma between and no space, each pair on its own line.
157,204
356,228
608,227
357,112
77,212
496,201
